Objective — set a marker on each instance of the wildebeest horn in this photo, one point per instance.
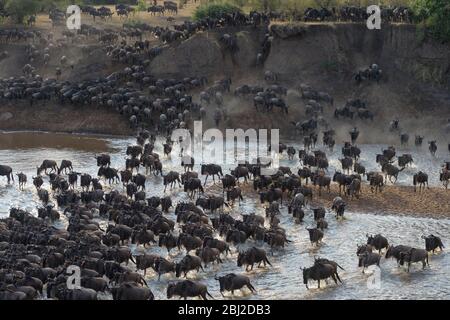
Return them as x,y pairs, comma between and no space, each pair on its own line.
215,277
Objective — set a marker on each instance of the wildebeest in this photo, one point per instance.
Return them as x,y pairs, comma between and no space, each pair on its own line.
414,255
252,256
395,251
187,264
187,288
22,180
6,171
433,242
421,179
338,206
404,160
234,194
211,170
367,259
378,242
232,281
319,271
103,160
432,147
65,165
171,178
315,235
47,164
376,181
192,186
38,182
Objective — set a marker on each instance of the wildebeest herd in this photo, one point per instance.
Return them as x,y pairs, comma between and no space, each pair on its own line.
35,255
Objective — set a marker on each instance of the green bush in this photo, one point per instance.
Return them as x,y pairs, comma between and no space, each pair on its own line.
19,9
141,5
435,14
214,10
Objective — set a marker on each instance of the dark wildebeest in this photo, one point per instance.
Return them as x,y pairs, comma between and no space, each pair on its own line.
239,172
338,206
359,169
103,160
391,171
232,281
271,195
319,213
367,259
404,138
85,181
234,194
192,186
394,252
38,182
163,266
65,164
315,235
167,149
211,170
126,176
291,152
228,182
171,178
167,240
418,140
47,164
139,179
404,160
378,242
132,164
420,178
187,288
43,195
187,264
376,181
109,174
414,255
432,147
433,242
252,256
6,171
320,271
72,179
346,163
22,180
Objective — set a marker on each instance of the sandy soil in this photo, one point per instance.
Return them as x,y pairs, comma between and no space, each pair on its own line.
50,117
399,200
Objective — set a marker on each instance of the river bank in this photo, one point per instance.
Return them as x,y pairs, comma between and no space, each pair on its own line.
69,119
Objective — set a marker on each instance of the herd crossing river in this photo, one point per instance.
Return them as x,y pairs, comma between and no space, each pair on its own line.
24,151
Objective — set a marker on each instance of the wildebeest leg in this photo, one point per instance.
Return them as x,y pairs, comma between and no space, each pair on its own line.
206,179
318,283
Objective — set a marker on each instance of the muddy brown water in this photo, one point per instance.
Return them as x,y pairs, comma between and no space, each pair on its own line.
23,151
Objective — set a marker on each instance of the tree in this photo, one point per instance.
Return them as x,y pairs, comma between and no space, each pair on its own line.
19,9
435,14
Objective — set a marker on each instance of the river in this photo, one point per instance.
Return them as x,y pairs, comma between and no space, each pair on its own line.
23,151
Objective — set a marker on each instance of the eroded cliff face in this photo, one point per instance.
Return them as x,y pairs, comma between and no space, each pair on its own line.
306,49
